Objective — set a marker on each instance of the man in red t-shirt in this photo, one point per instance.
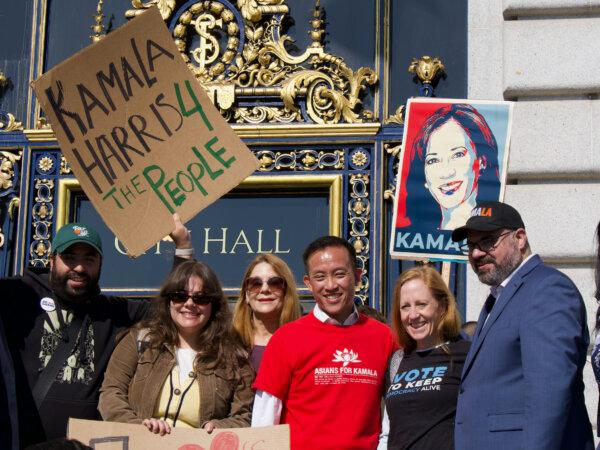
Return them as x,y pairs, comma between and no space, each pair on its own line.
324,373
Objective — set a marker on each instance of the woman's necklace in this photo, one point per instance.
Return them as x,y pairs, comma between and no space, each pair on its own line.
434,347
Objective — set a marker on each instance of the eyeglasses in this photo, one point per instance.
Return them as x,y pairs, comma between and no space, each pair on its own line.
485,245
255,284
198,298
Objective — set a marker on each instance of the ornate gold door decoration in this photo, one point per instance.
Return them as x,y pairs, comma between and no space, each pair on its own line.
239,55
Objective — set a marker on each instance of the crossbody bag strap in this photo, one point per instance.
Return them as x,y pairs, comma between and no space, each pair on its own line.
61,353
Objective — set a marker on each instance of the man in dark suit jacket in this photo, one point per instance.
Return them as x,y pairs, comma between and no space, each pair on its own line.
522,384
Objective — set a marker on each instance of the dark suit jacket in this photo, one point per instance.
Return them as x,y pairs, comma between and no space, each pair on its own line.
522,385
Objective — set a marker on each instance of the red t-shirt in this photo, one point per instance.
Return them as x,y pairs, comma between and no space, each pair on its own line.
330,380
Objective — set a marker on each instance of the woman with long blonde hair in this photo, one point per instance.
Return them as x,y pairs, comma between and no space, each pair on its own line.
267,300
424,375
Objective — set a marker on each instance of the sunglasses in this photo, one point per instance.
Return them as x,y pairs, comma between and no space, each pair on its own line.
255,284
198,298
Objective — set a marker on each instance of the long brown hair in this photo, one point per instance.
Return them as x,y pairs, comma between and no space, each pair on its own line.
219,346
242,314
449,325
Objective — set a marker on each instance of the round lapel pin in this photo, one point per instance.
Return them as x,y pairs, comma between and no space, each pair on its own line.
47,304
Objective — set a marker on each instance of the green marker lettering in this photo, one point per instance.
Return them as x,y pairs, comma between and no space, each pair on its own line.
136,184
191,168
181,174
111,195
126,193
217,153
197,105
156,184
173,193
211,174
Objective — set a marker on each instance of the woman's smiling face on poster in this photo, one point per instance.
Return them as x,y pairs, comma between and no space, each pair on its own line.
451,165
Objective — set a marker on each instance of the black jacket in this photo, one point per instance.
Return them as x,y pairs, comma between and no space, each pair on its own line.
32,334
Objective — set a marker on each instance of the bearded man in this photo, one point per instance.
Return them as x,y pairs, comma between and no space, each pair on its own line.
522,383
61,332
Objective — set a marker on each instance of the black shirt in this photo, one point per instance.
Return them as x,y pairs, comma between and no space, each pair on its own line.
421,400
33,334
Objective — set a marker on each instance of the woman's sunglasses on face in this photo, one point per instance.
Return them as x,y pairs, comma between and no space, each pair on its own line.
198,298
255,284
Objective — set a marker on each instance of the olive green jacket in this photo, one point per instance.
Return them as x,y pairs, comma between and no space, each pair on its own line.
134,379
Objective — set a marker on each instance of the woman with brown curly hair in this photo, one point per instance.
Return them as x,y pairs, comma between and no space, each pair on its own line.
267,300
184,366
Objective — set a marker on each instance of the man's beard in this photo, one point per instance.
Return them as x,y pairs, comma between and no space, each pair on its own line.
498,273
70,295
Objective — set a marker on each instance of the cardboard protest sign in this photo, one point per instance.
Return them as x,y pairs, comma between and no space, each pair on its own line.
454,154
141,135
124,436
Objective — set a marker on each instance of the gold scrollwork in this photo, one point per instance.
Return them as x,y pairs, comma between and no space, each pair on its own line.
253,10
65,167
260,114
7,169
42,213
98,27
301,160
12,205
42,124
263,67
165,7
397,117
426,68
392,149
359,215
9,123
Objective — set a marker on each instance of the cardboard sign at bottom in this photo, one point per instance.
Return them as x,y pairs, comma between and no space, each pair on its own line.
123,436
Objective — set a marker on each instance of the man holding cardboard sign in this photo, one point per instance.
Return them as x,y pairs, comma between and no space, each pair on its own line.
141,135
61,332
145,142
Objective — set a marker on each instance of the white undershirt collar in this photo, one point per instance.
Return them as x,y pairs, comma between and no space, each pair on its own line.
322,316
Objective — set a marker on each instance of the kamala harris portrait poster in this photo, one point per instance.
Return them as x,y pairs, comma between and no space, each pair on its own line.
454,154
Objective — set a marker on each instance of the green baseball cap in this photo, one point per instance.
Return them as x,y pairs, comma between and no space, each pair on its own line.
74,233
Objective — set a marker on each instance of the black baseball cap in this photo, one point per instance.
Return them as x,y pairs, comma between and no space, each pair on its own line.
489,216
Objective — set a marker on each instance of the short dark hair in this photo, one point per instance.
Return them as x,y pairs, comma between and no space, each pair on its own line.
329,241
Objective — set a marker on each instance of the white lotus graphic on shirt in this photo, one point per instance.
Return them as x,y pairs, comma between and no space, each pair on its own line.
346,357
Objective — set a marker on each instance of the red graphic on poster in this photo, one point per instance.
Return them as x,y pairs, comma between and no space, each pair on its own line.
454,154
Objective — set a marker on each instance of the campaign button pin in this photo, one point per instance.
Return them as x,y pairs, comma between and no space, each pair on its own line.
47,304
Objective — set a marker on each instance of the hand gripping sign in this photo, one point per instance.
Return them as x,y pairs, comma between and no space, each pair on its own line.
141,135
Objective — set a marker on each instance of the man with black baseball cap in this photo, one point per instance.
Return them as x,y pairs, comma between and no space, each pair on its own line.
61,332
522,383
